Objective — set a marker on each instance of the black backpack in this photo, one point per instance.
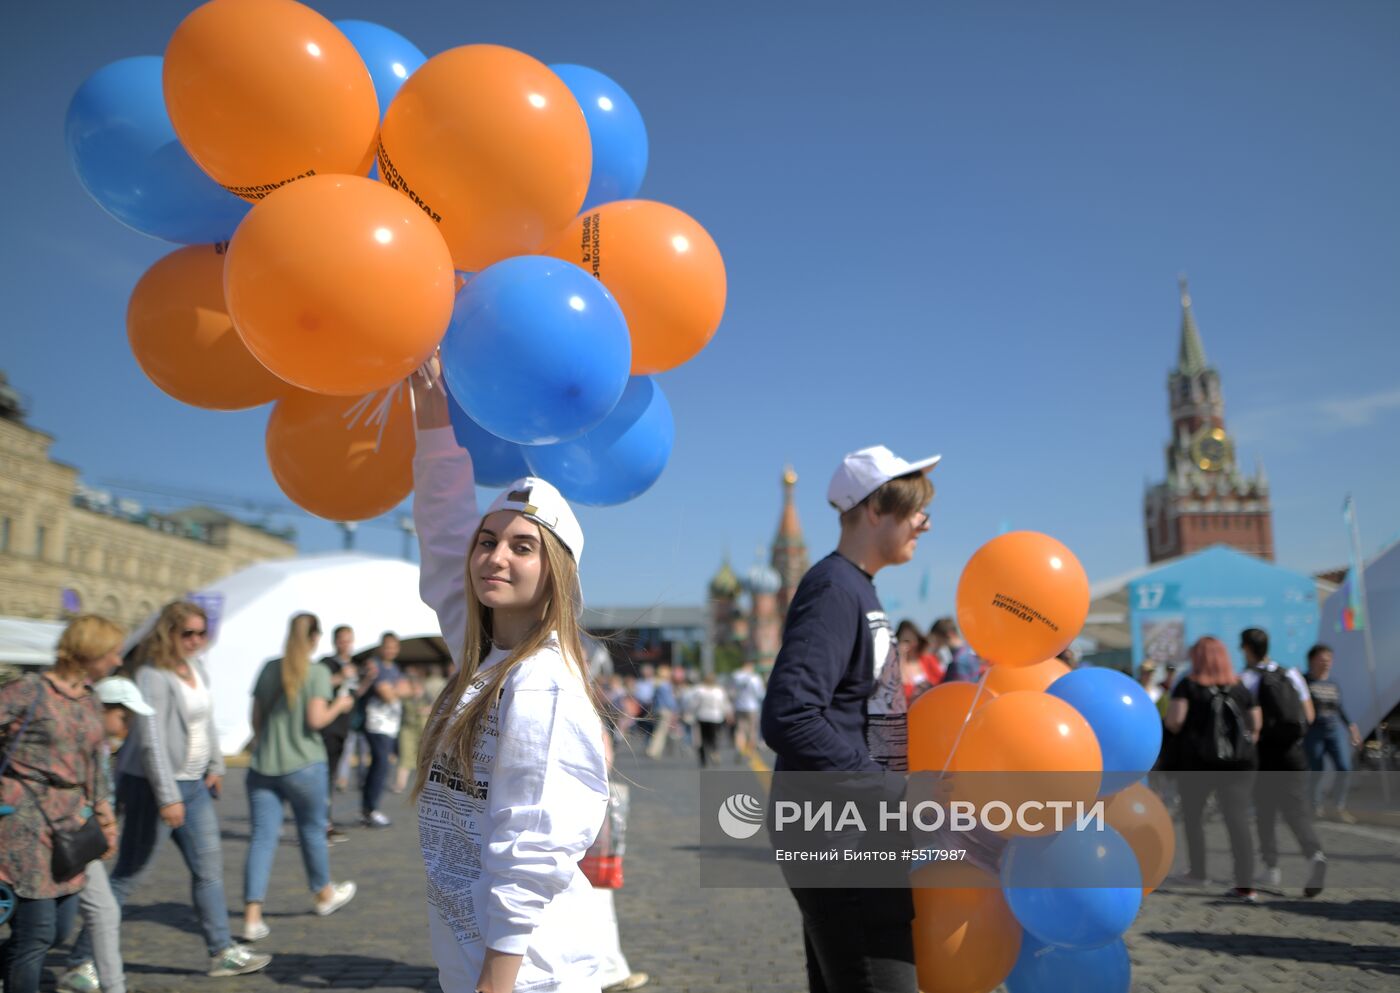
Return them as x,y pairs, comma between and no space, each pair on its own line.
1222,740
1285,720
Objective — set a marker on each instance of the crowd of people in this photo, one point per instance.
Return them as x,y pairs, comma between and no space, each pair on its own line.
509,752
140,750
672,709
1258,742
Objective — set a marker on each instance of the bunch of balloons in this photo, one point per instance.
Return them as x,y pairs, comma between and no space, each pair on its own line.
1033,730
350,206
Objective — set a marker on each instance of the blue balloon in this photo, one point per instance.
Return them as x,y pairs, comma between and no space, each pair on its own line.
1124,719
124,150
495,461
1043,968
616,130
1080,888
621,458
389,56
537,351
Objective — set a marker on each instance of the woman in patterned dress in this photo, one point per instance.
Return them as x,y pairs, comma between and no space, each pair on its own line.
51,731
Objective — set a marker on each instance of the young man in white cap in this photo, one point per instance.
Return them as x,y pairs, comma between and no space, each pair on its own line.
835,702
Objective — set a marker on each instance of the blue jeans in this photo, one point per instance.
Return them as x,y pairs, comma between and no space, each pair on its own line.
379,747
198,841
1329,737
305,790
35,928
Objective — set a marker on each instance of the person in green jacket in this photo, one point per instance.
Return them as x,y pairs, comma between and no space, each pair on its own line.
292,701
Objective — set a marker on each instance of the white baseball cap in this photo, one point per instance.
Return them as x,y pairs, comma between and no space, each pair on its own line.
539,501
118,692
863,472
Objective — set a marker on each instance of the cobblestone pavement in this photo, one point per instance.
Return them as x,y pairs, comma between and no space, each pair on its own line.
705,940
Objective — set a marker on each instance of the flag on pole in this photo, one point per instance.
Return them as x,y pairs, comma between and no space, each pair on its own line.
1354,613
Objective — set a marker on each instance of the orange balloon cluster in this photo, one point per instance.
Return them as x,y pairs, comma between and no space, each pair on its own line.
265,92
338,285
491,145
334,287
184,340
1022,598
337,465
663,269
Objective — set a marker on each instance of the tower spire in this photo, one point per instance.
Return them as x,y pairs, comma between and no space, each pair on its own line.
789,554
788,527
1191,358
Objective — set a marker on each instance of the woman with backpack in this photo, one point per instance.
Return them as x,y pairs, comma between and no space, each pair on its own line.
1217,725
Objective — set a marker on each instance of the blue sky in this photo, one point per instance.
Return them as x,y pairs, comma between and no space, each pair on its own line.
949,227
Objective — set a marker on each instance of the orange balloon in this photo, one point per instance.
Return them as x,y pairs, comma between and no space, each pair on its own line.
264,92
1139,815
1022,598
338,285
1038,677
490,144
965,940
1042,749
332,461
936,718
663,269
183,338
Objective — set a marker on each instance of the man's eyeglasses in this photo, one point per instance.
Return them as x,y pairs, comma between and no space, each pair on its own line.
921,520
192,633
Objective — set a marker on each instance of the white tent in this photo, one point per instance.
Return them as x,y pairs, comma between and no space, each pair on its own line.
249,611
28,642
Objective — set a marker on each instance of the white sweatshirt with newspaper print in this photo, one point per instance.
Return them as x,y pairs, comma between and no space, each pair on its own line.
501,850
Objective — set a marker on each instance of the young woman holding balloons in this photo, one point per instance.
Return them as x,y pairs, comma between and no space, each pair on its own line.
512,782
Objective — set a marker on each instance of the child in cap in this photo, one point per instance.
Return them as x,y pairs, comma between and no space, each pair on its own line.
101,915
836,702
120,699
512,782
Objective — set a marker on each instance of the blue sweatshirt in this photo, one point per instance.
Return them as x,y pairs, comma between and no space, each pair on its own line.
835,698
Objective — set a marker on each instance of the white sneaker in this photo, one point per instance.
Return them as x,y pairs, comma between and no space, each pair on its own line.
375,819
341,894
256,932
1273,876
236,960
1316,876
79,979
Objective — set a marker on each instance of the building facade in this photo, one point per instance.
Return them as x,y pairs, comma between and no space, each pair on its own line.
1205,499
67,549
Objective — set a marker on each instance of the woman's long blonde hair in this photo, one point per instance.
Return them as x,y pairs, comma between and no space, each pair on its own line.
452,731
161,648
302,634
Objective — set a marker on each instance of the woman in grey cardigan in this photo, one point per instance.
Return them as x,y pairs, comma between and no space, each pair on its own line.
168,774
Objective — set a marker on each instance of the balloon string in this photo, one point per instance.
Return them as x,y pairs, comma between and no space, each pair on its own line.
963,726
352,416
376,410
430,378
